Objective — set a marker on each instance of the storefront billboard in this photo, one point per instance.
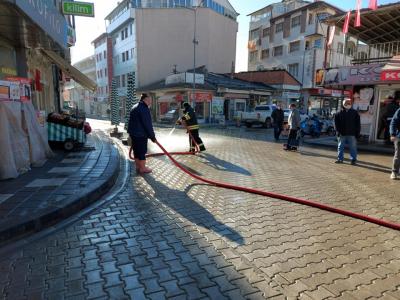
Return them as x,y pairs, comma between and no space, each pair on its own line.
45,14
354,75
390,75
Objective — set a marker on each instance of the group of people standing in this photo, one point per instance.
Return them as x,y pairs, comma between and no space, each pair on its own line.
348,129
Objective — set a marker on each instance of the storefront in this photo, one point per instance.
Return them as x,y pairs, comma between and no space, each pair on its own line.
372,92
324,102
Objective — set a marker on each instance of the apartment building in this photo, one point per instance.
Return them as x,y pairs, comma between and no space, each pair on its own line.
292,35
154,37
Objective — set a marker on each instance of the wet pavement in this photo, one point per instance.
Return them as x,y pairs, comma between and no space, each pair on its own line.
168,236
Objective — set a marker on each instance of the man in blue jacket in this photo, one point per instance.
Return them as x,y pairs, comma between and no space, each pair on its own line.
395,138
140,129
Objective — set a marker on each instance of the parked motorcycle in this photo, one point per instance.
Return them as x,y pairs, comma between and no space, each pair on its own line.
311,126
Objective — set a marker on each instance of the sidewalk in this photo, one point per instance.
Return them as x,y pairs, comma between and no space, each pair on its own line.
64,185
331,142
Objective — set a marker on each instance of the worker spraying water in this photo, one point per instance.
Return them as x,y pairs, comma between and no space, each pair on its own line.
190,120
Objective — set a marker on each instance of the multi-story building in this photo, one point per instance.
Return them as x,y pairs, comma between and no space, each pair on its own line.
292,35
154,37
82,98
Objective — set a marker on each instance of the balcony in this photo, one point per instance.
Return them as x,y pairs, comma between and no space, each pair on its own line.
120,20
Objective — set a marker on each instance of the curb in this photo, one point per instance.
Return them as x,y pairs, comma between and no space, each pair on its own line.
75,204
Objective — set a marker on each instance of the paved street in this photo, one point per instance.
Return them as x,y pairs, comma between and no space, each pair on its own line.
167,236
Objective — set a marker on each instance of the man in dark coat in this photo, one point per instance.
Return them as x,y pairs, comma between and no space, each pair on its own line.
140,129
278,117
348,127
395,138
189,117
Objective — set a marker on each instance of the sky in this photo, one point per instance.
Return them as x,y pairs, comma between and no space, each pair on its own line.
89,28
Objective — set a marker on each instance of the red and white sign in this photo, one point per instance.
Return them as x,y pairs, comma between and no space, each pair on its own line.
201,97
393,75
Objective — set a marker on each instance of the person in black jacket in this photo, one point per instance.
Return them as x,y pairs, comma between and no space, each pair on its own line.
140,129
278,117
189,117
395,138
348,127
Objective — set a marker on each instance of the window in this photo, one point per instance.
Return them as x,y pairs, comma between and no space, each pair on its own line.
293,69
340,48
253,55
105,54
100,56
126,32
106,89
295,46
318,43
130,28
264,53
296,21
310,19
127,55
255,34
307,46
105,72
123,80
123,56
118,81
278,51
279,27
122,35
101,73
266,32
132,52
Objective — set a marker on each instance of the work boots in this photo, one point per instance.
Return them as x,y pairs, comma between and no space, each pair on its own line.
142,167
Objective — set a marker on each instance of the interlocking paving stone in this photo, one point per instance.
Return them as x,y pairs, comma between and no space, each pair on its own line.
166,236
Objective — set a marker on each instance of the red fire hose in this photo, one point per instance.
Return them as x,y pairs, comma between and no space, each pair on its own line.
325,207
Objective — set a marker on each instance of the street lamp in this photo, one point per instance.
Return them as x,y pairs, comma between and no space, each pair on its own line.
195,43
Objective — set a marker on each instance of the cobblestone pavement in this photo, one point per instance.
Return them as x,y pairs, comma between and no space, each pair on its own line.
167,236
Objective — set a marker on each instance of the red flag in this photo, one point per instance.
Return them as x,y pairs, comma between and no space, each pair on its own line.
357,20
373,4
346,23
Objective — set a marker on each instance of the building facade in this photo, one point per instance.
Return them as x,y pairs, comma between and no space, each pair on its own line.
153,38
292,35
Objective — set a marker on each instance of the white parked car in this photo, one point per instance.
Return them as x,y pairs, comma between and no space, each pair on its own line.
260,115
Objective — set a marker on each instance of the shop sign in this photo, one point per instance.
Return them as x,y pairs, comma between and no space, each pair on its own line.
83,9
291,95
354,75
8,71
71,36
184,78
9,91
393,75
24,88
45,14
201,97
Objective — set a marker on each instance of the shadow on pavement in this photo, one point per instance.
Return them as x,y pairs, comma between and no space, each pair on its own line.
223,165
360,164
181,203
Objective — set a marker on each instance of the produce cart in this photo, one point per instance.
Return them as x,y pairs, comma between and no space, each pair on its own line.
71,137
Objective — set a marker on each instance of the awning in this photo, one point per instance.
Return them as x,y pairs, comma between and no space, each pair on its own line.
74,73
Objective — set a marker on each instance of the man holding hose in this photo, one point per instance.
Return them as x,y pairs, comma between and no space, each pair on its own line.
140,129
189,118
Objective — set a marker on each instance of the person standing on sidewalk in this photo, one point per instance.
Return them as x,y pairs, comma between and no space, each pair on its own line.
277,119
294,126
140,129
189,118
348,127
395,138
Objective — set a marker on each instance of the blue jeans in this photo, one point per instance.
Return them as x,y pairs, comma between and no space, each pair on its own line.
352,142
